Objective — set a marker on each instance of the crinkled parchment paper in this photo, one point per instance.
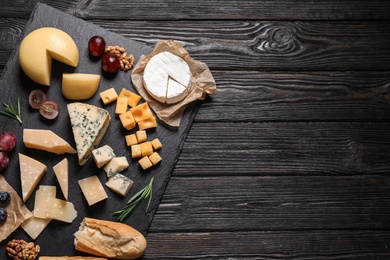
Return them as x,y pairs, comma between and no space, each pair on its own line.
202,82
16,209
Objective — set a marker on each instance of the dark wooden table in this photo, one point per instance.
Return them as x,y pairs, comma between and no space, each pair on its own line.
291,157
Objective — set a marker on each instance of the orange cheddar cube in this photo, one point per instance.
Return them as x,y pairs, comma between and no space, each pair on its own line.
136,151
121,105
141,112
127,120
145,163
141,136
108,96
147,123
146,148
131,139
132,98
155,158
156,144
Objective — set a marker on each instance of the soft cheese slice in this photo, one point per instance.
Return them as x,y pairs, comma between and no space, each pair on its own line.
79,86
39,47
61,172
89,125
159,69
31,172
46,140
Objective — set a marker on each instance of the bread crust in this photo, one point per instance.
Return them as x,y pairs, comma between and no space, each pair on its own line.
109,239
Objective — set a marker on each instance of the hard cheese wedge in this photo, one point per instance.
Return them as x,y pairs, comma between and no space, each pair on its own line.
79,86
167,78
46,140
39,47
61,172
35,225
61,210
89,125
31,172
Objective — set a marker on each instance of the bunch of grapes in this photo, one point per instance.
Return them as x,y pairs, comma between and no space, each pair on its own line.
7,144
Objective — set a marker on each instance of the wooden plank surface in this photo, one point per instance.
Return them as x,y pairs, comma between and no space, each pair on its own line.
289,159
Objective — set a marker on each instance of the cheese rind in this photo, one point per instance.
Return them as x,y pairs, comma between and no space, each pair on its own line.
46,140
89,125
31,172
39,47
167,78
61,172
92,189
79,86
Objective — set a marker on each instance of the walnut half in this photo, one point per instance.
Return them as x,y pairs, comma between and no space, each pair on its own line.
18,249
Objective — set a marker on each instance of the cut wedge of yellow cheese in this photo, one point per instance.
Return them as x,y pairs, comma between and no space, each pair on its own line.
79,86
31,172
39,47
46,140
61,172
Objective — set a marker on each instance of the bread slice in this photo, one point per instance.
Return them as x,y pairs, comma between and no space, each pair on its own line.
109,239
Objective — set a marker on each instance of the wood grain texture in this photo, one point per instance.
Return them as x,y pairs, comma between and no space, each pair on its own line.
232,9
269,245
23,8
260,45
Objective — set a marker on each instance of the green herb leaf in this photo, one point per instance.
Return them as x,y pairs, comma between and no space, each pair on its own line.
145,193
11,112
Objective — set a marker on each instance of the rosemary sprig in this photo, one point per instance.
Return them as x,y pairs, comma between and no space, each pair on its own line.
145,193
11,112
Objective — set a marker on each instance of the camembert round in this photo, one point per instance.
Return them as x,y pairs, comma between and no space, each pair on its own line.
167,78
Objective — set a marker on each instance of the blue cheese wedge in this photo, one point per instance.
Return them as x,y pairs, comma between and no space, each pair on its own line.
119,184
116,165
103,155
89,125
167,78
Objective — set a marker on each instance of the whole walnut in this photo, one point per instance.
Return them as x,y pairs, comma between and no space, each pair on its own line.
18,249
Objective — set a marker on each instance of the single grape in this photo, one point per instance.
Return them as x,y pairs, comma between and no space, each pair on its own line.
96,46
110,63
7,142
3,215
4,161
49,109
36,98
5,198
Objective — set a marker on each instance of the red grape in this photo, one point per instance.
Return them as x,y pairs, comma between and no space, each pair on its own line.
7,142
49,109
110,63
36,98
96,46
4,161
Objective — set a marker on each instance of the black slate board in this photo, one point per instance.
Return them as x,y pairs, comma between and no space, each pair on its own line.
57,238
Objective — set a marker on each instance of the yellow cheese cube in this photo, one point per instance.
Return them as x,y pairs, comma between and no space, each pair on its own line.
147,123
141,112
127,120
155,158
121,105
136,151
145,163
131,139
141,136
132,98
146,148
156,144
108,96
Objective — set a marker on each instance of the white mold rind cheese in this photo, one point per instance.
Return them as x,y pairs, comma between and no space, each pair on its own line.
39,47
89,125
167,78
